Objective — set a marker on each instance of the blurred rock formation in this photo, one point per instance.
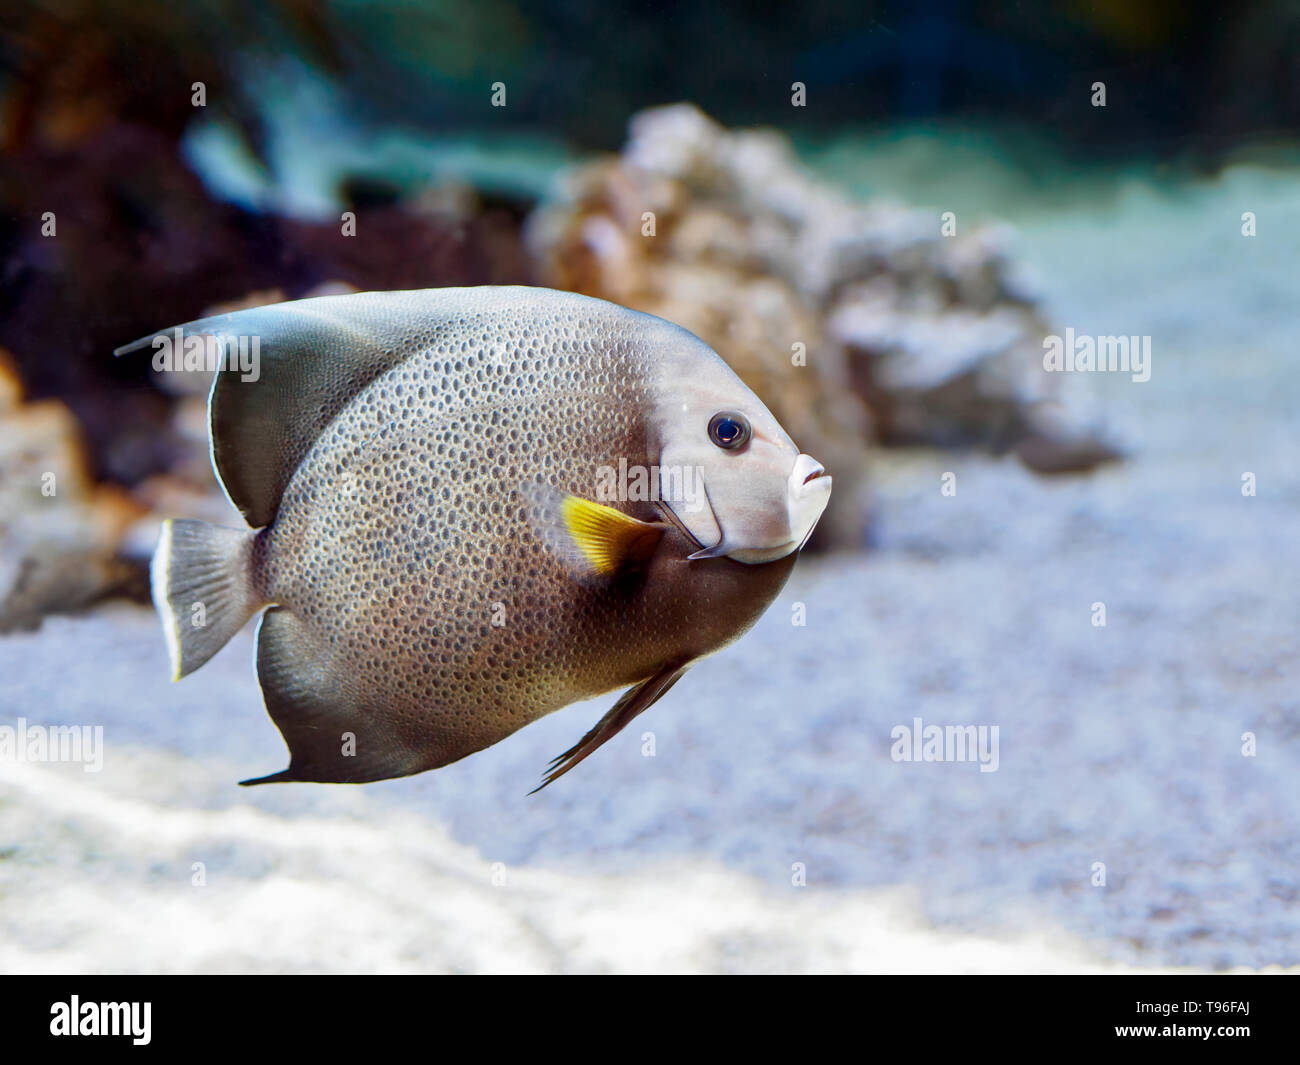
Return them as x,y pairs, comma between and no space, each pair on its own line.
855,323
59,531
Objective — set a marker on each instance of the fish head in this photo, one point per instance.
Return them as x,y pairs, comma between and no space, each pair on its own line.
730,475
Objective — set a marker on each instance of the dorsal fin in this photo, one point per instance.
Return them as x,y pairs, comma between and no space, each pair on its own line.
317,354
314,356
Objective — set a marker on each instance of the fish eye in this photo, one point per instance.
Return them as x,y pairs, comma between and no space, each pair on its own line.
729,430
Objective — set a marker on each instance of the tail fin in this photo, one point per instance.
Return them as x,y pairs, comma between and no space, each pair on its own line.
203,589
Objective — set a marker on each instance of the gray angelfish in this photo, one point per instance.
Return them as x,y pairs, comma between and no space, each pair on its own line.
471,507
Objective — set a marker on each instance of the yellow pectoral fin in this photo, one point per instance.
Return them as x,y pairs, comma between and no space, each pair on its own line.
607,538
592,541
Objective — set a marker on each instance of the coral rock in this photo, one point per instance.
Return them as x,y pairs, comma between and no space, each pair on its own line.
908,336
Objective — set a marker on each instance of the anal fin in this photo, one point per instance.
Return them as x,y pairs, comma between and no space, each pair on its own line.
334,736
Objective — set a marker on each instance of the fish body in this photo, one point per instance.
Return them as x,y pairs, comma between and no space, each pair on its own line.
434,538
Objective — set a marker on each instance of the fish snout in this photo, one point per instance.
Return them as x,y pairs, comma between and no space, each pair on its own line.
806,469
808,490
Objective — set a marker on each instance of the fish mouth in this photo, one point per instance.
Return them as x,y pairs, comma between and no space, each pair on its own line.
817,470
809,488
808,480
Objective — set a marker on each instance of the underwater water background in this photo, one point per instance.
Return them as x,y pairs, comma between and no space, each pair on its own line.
1120,744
